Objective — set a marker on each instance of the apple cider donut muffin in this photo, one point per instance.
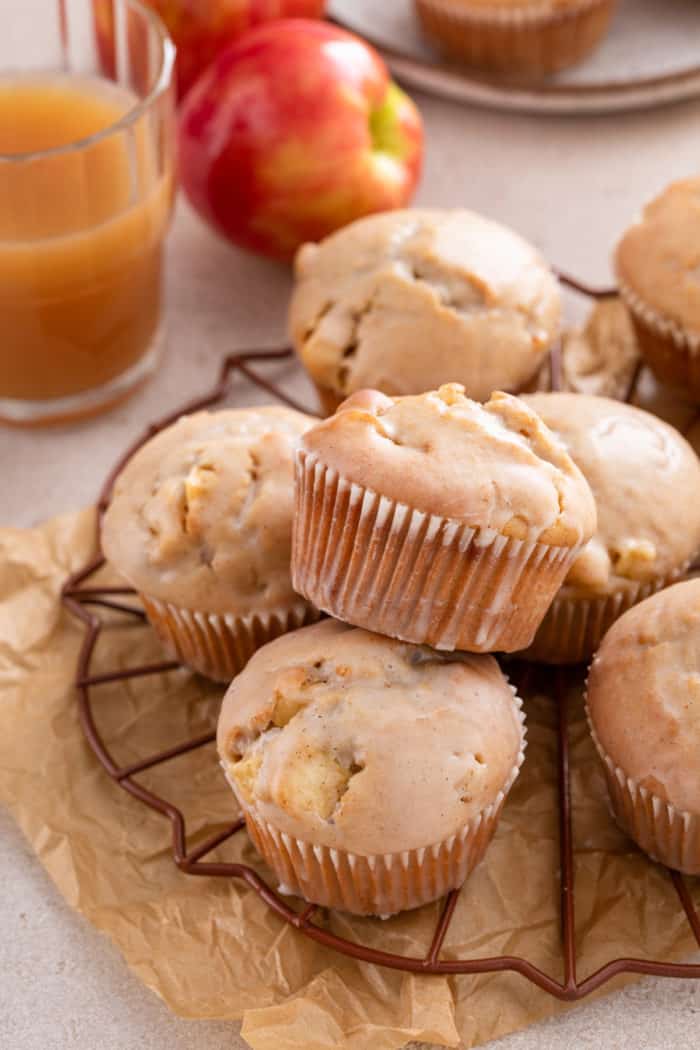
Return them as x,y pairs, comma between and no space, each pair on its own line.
437,520
522,37
646,481
643,699
405,301
371,773
657,263
200,523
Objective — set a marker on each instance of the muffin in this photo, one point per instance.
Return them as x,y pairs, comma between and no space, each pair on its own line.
656,263
200,523
405,301
643,701
371,773
646,483
437,520
521,37
602,358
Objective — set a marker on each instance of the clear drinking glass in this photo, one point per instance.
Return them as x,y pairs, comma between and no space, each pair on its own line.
86,189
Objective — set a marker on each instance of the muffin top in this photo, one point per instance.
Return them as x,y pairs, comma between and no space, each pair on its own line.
355,741
493,466
406,300
646,481
201,516
644,694
658,258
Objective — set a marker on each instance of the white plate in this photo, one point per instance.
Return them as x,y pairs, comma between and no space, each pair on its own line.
650,57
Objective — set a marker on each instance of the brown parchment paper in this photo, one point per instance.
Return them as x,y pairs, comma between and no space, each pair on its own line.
209,947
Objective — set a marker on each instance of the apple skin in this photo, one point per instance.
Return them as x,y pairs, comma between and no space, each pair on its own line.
201,29
294,131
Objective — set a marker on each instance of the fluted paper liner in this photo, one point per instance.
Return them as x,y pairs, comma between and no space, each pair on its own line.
210,948
533,39
383,883
669,835
385,566
219,646
671,351
574,627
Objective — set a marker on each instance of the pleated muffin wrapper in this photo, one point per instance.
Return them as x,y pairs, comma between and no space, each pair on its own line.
217,645
534,39
382,565
379,883
671,351
668,835
573,628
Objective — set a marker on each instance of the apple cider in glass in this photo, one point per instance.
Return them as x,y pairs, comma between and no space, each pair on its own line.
86,187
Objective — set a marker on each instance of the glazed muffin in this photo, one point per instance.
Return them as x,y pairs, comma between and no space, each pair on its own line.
656,263
437,520
200,523
602,358
371,773
405,301
646,483
520,37
643,698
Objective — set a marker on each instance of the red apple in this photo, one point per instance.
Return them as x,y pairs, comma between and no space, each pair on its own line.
203,28
294,131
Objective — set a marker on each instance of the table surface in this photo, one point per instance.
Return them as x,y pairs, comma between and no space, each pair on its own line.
568,184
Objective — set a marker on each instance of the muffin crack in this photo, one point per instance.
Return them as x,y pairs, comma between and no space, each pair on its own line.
312,327
352,344
461,293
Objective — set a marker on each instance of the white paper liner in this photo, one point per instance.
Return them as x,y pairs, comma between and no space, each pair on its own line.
574,627
381,883
219,645
534,39
664,327
668,835
380,564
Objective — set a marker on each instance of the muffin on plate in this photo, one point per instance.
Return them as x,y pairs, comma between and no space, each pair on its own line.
656,263
200,523
437,520
646,481
520,37
407,300
371,773
643,701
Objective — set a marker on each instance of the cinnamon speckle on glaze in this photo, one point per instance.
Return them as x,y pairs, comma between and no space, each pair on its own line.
354,741
494,466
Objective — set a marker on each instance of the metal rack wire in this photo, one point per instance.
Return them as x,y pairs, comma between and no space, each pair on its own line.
81,598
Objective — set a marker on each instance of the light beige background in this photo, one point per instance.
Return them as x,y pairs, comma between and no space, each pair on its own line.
570,185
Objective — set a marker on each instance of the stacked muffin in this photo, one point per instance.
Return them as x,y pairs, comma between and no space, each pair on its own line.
372,753
371,761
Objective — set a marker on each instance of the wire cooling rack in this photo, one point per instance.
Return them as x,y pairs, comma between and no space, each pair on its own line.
81,599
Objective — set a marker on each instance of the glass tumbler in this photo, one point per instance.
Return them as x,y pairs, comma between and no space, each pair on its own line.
87,150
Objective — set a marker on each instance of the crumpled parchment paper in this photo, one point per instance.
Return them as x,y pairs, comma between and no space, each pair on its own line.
209,947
